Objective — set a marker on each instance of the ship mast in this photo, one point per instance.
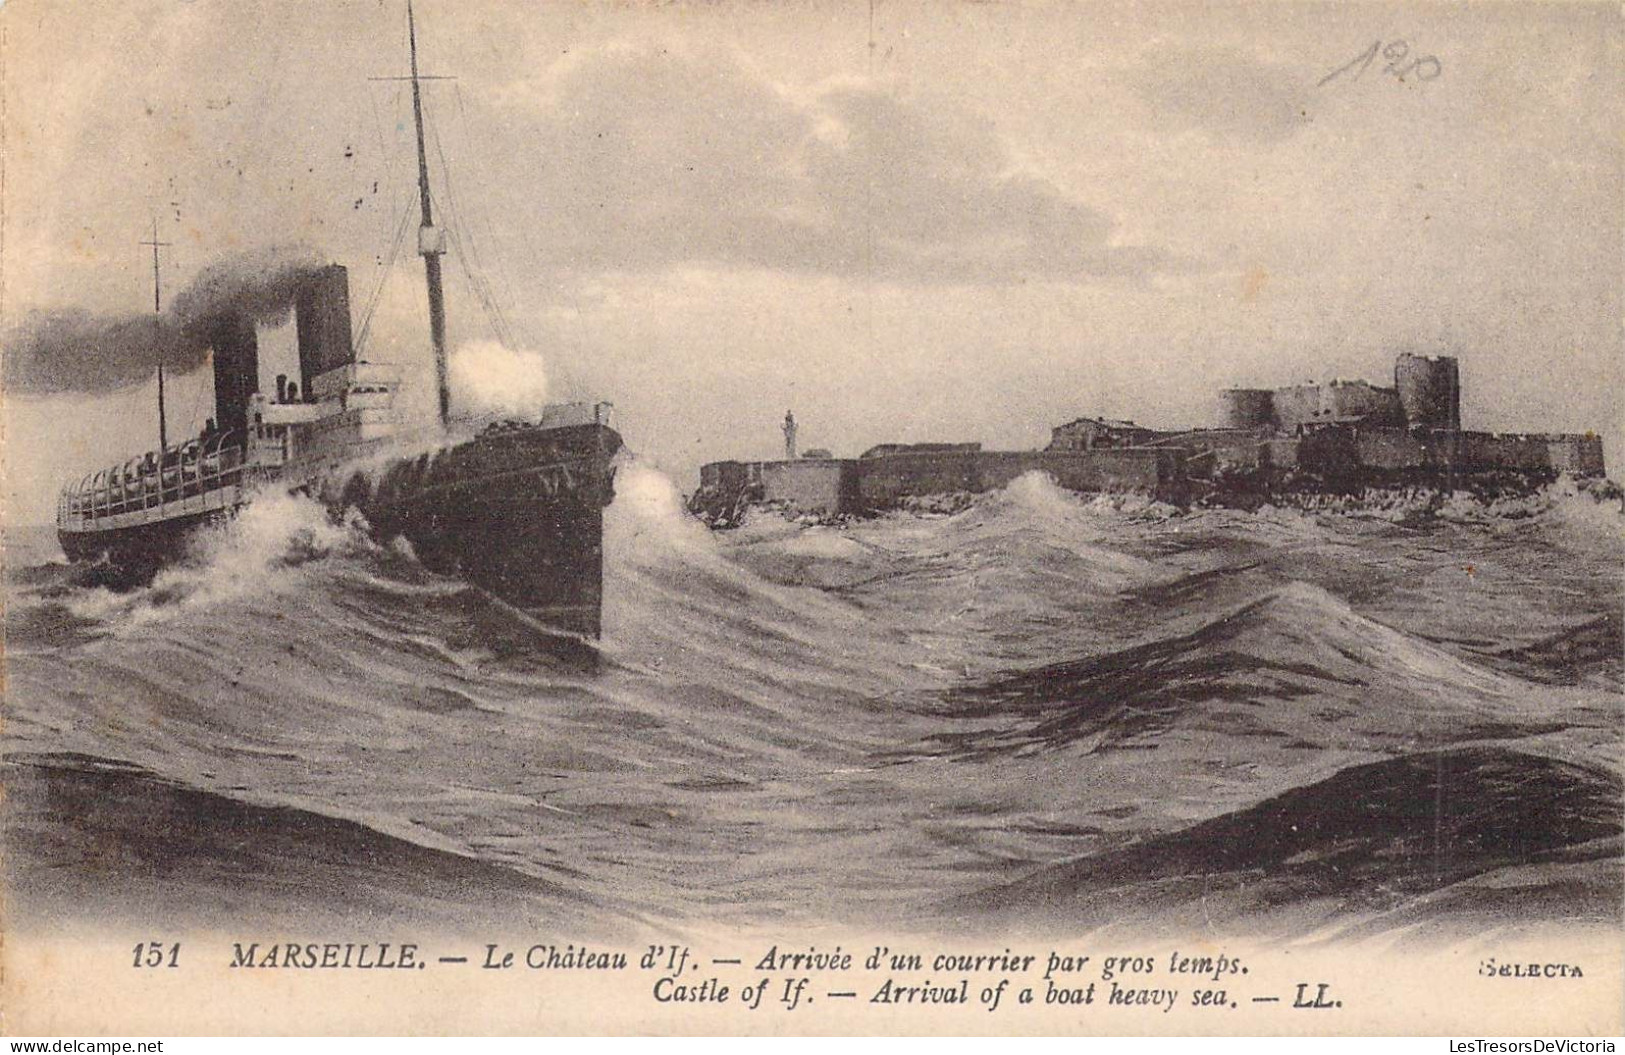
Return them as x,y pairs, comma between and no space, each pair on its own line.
431,241
157,323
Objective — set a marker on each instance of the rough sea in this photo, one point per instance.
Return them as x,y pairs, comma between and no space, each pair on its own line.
1045,710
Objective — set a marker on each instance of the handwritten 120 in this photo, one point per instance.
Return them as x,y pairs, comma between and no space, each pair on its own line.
1401,63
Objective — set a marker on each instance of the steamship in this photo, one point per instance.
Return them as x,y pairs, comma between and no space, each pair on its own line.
514,508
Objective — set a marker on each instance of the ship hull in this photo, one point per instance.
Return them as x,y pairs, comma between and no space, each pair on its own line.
516,513
131,556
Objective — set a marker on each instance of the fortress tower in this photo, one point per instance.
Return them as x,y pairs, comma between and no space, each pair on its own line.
1429,391
1247,408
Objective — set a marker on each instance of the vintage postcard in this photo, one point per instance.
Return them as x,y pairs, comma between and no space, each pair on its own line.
836,516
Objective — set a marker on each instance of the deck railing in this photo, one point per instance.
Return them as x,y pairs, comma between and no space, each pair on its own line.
175,476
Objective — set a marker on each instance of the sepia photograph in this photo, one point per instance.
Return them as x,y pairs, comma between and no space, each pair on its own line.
822,517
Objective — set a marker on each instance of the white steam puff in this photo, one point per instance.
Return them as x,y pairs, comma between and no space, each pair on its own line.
489,378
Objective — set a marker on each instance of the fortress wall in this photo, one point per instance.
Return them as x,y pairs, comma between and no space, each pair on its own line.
1338,453
882,449
1580,455
1154,471
1201,450
1357,399
816,485
1533,452
1205,451
1483,450
1332,452
1283,453
1086,435
1196,440
884,480
725,476
1243,454
1075,436
1296,405
1443,451
998,468
1305,404
1247,408
1392,449
1069,438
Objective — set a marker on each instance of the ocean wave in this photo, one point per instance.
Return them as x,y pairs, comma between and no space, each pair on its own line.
1366,841
1297,665
812,721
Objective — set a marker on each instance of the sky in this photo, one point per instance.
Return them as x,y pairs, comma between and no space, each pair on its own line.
905,221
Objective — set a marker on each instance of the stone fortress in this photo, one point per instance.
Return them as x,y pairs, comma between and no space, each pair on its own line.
1341,436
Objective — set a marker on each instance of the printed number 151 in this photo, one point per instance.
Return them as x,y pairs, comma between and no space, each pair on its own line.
153,954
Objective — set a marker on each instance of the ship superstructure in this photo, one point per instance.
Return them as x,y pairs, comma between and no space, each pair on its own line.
513,507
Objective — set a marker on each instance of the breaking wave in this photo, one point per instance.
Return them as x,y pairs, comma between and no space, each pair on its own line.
861,722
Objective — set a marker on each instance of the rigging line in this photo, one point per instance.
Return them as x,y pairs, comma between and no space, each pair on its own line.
473,286
390,152
567,375
405,197
504,335
465,231
476,289
386,267
383,279
452,209
470,236
461,233
499,322
480,214
387,151
454,237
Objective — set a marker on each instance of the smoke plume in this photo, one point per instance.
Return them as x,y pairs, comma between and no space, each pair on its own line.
74,350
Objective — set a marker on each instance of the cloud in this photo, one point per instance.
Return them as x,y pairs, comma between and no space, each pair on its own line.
1227,96
656,159
930,194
